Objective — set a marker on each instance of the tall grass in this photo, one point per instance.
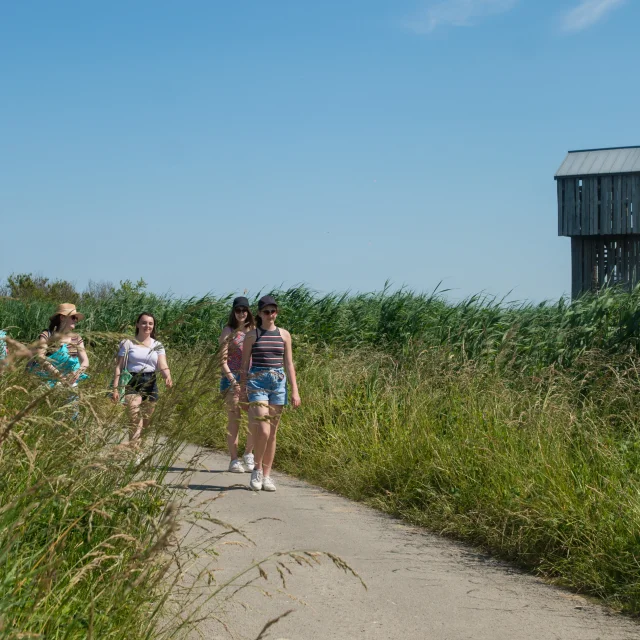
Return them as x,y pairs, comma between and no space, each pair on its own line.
514,427
521,335
543,471
538,472
89,544
95,544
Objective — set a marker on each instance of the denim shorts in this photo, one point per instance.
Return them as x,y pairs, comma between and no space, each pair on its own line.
267,385
225,383
143,384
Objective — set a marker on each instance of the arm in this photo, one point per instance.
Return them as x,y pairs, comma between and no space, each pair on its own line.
224,351
116,378
83,359
41,355
247,347
290,369
164,369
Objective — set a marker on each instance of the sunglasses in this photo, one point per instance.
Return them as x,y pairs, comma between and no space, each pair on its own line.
75,318
241,310
270,312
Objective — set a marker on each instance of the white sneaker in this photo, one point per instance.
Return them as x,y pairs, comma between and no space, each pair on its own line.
256,479
267,484
235,466
248,461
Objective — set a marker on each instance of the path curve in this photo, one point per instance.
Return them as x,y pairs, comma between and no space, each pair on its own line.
419,585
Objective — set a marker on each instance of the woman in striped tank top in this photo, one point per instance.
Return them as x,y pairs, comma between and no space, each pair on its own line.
268,350
231,344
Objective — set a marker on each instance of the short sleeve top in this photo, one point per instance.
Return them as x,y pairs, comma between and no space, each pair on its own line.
73,343
140,358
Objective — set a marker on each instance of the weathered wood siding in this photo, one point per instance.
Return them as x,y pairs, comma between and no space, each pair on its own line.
602,261
599,205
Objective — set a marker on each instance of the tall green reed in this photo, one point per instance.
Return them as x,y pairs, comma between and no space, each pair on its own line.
522,335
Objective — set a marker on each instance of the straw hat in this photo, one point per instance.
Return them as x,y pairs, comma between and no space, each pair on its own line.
67,309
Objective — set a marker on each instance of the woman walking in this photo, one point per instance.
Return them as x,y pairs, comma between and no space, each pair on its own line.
141,358
61,355
268,350
240,322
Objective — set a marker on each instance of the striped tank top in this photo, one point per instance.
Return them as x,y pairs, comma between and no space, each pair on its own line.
268,349
72,340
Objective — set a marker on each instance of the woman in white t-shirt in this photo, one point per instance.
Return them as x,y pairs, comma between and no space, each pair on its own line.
142,358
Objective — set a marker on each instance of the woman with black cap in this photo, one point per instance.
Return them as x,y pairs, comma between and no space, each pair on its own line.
240,322
268,349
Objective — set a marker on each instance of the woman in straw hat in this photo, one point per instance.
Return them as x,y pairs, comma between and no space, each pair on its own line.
61,354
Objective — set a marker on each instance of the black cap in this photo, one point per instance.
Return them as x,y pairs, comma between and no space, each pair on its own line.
241,301
266,301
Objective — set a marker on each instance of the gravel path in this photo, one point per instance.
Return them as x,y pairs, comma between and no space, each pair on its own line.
419,585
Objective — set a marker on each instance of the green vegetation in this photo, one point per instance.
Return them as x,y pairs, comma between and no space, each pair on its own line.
514,427
89,540
542,470
517,336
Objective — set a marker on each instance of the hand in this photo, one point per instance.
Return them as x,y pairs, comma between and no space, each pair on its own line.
168,382
295,400
74,376
115,396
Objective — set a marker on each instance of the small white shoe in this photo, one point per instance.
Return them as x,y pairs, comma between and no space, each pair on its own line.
248,461
267,484
256,479
235,466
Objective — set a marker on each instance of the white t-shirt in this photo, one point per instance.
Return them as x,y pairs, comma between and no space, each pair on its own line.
141,359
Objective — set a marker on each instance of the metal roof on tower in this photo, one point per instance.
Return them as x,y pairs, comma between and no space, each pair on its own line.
600,161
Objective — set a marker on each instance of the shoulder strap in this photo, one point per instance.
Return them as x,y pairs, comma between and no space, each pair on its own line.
127,349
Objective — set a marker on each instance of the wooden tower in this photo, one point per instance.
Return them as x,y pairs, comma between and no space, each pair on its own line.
599,209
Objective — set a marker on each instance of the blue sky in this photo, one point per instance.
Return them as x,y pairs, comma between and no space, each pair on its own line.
223,146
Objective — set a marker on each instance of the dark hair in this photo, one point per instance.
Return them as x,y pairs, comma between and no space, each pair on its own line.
265,301
54,323
232,322
153,332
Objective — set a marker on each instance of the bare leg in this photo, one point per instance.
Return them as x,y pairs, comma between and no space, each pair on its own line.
260,428
248,447
133,403
233,422
140,414
275,413
147,410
